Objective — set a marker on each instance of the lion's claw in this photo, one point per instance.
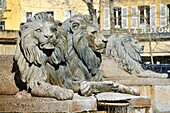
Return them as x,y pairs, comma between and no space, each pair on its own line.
64,94
85,89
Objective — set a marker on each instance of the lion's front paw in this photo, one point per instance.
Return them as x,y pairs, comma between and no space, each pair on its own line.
135,91
85,89
64,94
129,90
152,74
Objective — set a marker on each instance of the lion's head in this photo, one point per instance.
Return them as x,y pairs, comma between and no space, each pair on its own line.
96,40
38,38
85,43
125,50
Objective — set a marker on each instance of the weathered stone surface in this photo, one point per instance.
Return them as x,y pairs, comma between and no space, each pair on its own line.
7,83
39,104
123,103
110,69
135,101
161,99
125,50
112,72
133,81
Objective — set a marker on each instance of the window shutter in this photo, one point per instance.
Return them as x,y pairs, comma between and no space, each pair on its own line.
2,25
124,17
27,15
134,22
153,16
162,15
67,14
72,13
106,19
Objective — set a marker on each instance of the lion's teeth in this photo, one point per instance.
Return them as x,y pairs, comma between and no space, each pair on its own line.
48,46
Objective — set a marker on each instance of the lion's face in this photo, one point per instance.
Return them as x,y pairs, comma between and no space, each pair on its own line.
134,44
96,40
46,34
40,36
80,23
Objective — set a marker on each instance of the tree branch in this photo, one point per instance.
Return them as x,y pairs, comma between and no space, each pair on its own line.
92,12
2,8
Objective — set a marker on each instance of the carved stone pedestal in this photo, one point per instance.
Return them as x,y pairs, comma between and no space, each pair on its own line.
38,104
104,102
156,88
123,103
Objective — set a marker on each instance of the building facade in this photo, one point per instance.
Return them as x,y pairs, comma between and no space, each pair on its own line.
146,20
130,14
19,11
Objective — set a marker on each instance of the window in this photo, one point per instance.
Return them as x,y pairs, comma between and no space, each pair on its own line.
162,15
153,16
68,14
144,15
117,17
134,13
28,15
50,13
124,17
2,25
106,19
168,6
2,3
67,2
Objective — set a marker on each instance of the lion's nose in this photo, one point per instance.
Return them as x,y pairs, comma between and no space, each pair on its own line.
48,36
142,47
104,39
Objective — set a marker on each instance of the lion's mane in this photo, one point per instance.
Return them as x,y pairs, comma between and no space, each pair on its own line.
125,51
84,60
30,59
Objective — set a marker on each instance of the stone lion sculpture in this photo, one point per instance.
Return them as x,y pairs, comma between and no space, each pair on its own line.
39,39
50,62
126,52
85,43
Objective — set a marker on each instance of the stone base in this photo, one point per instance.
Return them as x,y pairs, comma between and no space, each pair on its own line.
7,82
9,103
156,88
123,103
98,103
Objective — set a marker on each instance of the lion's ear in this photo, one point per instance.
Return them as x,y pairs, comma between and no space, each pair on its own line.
59,23
23,27
126,39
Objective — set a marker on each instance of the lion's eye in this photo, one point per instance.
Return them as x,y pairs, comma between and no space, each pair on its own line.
53,29
94,32
136,42
38,30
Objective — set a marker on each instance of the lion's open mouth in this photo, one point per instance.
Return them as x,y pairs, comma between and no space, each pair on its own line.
47,46
100,48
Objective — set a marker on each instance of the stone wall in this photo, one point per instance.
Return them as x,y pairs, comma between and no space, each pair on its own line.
8,42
